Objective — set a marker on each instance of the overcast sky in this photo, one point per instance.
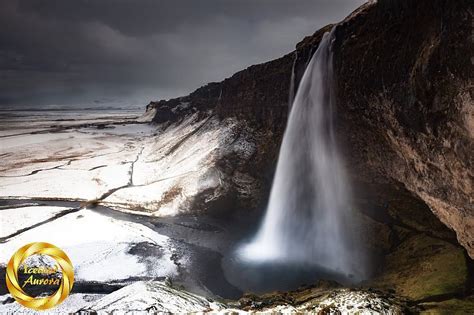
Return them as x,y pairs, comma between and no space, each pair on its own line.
78,51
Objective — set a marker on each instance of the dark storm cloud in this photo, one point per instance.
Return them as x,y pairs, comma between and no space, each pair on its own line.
69,51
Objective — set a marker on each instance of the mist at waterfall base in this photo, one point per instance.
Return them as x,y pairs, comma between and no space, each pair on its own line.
308,232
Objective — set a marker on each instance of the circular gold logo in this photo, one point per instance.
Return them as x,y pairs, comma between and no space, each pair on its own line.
66,282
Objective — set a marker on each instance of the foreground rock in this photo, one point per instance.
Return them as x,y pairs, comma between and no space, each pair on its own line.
158,297
422,267
152,297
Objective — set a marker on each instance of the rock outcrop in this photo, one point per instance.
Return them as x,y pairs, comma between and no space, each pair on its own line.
154,297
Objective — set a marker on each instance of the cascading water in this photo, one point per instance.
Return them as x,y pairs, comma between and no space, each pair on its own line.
309,206
291,94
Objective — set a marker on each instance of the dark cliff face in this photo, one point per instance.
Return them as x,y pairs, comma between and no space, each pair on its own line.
405,94
405,109
258,94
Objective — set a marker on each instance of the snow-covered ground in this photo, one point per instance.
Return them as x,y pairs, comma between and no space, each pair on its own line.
50,175
18,119
70,304
15,219
158,170
174,166
101,248
75,164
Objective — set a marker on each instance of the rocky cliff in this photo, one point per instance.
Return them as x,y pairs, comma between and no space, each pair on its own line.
405,121
405,108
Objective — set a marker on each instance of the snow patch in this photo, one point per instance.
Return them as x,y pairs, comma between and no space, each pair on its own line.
147,116
15,219
71,304
99,246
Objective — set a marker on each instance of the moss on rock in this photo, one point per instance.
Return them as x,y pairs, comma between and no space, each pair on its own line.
452,306
423,267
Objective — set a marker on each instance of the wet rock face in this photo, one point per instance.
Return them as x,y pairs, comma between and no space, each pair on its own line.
404,75
405,110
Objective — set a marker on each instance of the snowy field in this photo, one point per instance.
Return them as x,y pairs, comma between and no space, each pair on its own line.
98,246
55,172
128,165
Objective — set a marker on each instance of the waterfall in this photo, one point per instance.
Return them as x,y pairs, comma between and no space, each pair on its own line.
291,94
309,205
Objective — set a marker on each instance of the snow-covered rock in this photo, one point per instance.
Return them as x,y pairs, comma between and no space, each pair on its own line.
152,296
144,297
179,168
147,116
